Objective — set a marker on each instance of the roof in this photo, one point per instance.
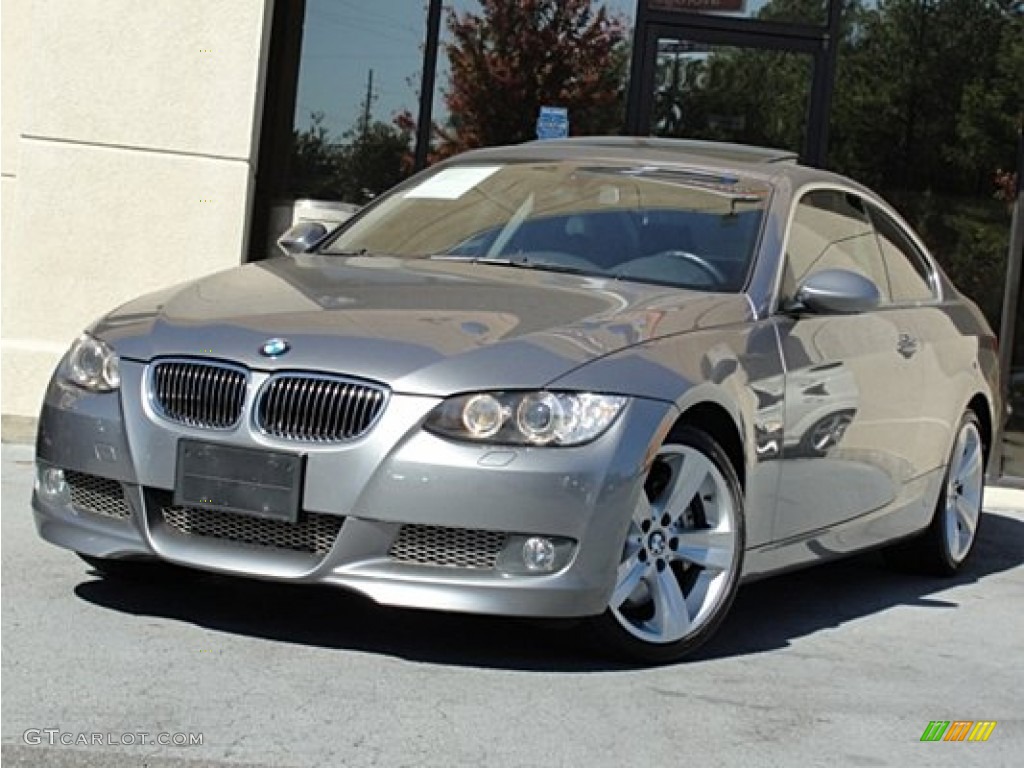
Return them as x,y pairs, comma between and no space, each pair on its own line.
721,150
749,161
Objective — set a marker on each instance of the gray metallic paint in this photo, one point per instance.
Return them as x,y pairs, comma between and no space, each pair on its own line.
430,329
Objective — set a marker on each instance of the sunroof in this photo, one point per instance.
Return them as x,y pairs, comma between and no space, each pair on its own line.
717,149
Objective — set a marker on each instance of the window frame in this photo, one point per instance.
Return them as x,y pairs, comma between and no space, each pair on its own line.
875,272
922,256
794,199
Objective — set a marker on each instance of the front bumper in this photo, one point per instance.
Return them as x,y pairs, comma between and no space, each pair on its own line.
395,484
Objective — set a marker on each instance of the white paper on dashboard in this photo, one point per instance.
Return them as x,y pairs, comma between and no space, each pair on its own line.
453,183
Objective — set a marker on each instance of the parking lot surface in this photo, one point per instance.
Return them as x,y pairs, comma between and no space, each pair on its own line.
844,664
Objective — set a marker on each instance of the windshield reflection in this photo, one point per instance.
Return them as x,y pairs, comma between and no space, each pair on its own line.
676,227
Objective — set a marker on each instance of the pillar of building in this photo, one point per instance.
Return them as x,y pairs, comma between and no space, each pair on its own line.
129,144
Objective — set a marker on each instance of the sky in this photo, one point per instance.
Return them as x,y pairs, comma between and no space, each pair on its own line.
344,39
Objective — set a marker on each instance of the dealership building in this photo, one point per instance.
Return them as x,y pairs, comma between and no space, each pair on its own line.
149,143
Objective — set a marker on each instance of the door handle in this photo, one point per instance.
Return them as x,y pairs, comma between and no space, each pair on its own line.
907,345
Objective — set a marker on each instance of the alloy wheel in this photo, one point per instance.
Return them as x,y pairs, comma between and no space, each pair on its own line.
677,562
964,492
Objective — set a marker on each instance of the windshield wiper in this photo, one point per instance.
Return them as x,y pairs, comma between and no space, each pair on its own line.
522,262
464,257
553,266
353,252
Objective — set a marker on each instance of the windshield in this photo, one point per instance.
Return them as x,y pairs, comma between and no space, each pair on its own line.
674,226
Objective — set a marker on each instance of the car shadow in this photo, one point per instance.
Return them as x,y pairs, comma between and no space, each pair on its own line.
767,615
770,614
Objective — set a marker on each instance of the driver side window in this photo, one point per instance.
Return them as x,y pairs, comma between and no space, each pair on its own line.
831,229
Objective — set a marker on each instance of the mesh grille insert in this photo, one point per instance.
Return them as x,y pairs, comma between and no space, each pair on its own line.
449,547
97,495
199,394
314,533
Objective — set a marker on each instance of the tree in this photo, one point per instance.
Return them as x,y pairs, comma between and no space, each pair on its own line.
991,108
732,94
515,57
374,160
925,108
315,167
371,157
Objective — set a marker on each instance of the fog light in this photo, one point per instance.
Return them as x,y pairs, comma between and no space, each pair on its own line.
52,485
538,554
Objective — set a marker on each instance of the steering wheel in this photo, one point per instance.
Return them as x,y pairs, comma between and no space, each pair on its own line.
698,261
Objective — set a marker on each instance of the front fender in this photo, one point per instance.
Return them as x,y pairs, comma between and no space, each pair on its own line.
738,369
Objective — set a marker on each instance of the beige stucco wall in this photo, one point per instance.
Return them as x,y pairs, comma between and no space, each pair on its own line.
129,135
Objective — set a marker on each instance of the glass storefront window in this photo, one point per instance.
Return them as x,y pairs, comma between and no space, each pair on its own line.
811,12
930,135
500,62
358,70
1013,440
726,93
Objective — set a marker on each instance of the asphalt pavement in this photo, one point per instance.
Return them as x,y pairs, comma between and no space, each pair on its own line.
844,664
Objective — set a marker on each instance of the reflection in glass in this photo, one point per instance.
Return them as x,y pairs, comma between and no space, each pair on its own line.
813,12
930,137
726,93
675,227
500,62
1013,441
358,71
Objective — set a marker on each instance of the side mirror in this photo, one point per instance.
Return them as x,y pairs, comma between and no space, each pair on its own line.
301,237
836,292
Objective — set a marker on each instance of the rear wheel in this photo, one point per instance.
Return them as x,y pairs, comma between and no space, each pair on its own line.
947,545
682,556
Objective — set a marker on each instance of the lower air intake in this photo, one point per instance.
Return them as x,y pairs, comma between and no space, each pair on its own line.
314,533
448,547
97,495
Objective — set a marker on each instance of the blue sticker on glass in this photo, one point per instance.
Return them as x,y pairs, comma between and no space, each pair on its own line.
553,123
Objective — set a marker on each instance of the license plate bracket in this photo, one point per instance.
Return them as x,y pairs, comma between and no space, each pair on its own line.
246,481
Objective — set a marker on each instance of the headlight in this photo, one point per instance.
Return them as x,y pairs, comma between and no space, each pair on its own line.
93,365
526,418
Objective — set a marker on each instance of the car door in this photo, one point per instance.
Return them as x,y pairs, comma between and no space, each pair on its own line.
943,354
852,382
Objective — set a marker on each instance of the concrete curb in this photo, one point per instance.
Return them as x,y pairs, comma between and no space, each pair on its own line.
1000,498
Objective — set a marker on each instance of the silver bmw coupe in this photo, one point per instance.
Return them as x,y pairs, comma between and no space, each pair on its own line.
603,379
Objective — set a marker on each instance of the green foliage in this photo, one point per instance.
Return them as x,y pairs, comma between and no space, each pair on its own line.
369,159
927,98
315,163
373,161
733,94
926,106
969,237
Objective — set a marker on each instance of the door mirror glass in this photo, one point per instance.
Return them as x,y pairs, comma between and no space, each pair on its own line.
836,292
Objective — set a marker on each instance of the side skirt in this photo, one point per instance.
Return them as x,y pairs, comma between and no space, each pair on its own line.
910,513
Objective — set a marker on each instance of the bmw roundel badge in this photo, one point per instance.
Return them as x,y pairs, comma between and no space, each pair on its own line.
275,347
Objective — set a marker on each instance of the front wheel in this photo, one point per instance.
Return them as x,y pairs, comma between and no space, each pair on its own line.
682,556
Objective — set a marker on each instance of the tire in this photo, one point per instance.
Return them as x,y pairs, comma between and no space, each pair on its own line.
682,556
948,543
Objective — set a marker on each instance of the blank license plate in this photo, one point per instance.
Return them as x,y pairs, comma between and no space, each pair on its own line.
252,482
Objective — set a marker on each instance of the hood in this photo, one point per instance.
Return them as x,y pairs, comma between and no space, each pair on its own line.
420,326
